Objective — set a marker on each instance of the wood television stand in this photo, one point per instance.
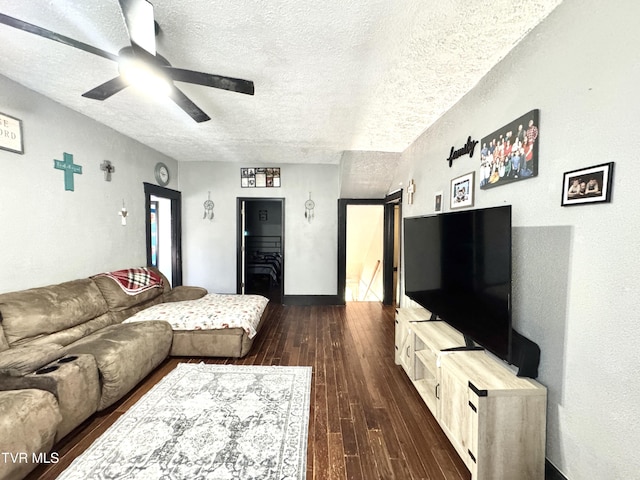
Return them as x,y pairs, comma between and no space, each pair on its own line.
495,420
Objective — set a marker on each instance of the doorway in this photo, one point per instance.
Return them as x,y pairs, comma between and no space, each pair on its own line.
260,247
163,222
392,207
364,253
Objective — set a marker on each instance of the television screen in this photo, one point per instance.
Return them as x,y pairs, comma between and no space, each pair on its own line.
458,266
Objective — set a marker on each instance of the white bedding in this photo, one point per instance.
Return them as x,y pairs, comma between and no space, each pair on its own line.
213,311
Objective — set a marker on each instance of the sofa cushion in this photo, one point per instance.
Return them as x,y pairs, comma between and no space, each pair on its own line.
28,423
44,310
20,361
70,335
125,354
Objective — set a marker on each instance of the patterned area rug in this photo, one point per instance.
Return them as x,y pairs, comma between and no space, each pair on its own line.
208,422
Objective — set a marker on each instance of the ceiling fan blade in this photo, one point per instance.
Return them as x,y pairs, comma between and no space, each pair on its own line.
138,16
209,80
107,89
43,32
187,105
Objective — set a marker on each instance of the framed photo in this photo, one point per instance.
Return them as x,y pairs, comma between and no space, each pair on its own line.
437,202
462,191
247,177
587,185
259,177
510,154
11,134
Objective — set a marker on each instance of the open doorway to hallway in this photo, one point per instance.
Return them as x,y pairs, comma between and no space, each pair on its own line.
365,278
365,234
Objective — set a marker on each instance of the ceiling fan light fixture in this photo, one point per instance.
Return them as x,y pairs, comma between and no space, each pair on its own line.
139,75
140,65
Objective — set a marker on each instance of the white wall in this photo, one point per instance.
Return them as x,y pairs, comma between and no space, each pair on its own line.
310,249
49,235
576,279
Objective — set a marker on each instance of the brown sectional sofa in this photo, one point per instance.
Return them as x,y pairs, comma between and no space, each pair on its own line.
64,354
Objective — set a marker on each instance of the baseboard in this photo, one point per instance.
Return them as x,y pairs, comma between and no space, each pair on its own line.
311,300
551,472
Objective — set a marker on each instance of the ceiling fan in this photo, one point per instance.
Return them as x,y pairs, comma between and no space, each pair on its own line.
141,57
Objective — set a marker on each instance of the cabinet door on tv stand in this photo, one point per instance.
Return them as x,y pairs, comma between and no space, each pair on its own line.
454,414
404,343
407,359
401,327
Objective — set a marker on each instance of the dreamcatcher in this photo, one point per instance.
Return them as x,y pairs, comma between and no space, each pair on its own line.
309,205
208,208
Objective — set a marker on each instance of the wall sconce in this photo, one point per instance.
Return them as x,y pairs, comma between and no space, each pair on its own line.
309,205
123,213
208,208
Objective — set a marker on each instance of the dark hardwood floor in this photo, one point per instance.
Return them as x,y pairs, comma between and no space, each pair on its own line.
366,421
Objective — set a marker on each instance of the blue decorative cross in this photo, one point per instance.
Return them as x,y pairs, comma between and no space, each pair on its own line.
69,169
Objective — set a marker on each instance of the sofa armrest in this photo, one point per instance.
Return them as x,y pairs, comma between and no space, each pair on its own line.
20,361
18,364
183,292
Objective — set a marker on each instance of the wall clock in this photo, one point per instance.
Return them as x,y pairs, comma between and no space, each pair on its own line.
162,174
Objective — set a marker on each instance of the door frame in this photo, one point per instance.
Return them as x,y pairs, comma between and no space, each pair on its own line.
176,227
388,241
240,234
390,202
343,203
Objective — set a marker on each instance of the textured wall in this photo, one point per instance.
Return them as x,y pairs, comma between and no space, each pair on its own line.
49,235
575,268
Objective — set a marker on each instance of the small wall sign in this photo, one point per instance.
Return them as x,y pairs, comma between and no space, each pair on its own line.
69,169
468,148
11,134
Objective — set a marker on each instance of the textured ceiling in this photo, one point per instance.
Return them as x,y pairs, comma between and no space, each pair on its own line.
331,76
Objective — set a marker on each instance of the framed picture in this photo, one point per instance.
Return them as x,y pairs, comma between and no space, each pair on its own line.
587,185
510,154
11,134
259,177
462,191
247,177
437,202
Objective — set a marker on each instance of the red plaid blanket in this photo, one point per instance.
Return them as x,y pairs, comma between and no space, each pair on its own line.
135,280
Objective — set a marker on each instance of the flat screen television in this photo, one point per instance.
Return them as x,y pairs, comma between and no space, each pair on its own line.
457,265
